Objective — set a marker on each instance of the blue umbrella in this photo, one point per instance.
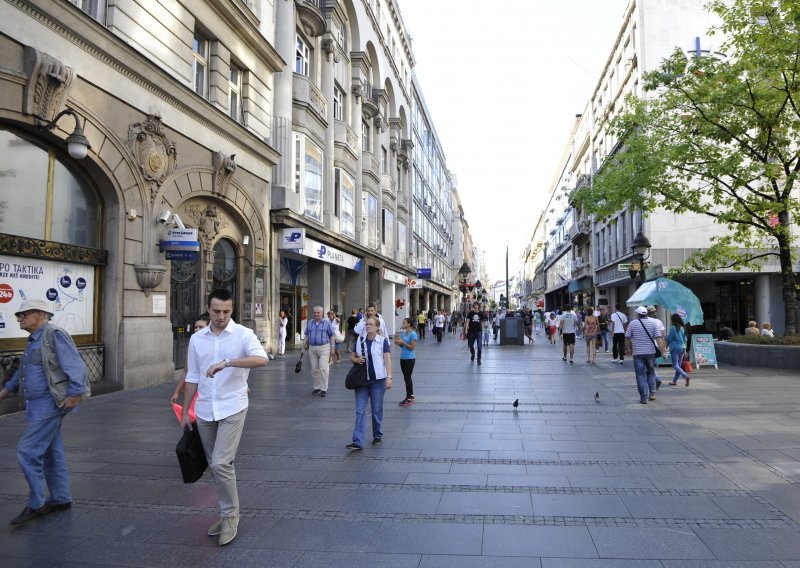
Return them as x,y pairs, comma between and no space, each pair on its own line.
672,296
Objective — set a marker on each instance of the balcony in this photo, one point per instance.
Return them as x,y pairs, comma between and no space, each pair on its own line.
310,14
342,133
388,185
584,180
580,231
369,101
306,93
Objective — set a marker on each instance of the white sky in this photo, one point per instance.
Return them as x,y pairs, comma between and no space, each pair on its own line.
503,80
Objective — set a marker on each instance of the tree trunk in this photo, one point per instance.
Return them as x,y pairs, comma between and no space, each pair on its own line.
789,286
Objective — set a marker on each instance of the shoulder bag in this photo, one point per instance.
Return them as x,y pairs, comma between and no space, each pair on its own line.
191,456
357,375
658,353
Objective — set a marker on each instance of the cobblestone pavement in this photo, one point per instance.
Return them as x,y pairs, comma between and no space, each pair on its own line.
703,476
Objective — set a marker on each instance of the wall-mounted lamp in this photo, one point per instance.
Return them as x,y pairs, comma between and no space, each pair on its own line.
246,241
77,144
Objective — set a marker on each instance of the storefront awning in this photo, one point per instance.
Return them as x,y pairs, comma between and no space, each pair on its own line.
578,284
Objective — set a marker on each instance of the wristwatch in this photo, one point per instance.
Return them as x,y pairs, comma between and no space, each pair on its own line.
227,362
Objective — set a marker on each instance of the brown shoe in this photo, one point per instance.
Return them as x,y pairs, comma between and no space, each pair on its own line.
29,514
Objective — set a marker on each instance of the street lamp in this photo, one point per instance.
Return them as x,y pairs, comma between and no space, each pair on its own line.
463,278
641,252
77,144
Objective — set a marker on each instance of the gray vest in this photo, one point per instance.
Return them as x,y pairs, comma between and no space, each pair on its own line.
56,377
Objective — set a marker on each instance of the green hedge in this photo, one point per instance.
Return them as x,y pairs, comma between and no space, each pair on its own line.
763,340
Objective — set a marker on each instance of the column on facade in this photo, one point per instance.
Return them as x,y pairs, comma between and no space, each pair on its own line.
763,294
281,138
355,286
329,196
319,285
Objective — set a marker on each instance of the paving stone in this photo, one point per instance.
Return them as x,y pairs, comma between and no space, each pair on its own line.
579,506
648,543
752,544
516,540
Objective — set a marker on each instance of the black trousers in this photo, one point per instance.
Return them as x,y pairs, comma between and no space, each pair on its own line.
421,330
618,346
407,366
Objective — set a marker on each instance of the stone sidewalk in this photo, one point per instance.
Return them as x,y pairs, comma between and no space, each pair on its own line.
704,476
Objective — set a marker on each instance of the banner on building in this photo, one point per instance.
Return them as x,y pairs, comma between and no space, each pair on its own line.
327,253
67,287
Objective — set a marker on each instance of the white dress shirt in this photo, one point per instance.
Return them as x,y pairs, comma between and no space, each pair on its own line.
361,327
225,393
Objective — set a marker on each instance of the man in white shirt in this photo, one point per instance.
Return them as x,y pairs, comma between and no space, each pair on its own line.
619,323
220,359
438,322
372,312
567,325
653,315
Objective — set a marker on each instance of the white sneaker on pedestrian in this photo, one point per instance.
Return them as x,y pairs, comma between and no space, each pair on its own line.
229,528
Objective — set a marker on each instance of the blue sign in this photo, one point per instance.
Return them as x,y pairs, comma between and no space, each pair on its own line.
181,255
424,273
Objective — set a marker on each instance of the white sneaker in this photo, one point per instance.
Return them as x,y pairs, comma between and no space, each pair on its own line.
229,528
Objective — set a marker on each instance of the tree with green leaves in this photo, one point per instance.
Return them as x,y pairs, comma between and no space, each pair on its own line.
718,135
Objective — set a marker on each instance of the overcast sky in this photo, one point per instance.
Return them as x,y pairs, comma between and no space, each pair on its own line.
503,80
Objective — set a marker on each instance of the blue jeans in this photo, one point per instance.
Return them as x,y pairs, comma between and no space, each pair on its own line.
472,338
677,359
374,392
40,453
604,334
645,368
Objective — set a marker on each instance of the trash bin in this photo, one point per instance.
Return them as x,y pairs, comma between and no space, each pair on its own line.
512,332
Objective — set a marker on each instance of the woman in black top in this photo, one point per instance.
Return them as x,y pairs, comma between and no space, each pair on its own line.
352,336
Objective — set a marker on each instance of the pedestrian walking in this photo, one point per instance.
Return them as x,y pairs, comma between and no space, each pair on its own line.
319,342
374,351
283,321
567,326
201,323
352,321
54,381
676,341
640,338
602,321
407,340
438,323
220,359
552,326
473,326
372,311
487,331
421,324
591,333
527,322
336,325
653,315
619,323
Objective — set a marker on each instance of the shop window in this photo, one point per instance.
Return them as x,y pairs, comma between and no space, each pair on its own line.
308,175
43,198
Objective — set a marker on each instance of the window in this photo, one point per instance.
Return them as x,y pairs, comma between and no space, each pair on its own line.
366,142
200,64
35,177
346,189
387,231
302,58
308,160
235,93
94,8
384,161
372,220
339,34
338,103
401,241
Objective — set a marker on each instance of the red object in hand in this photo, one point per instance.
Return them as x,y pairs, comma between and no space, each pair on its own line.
178,409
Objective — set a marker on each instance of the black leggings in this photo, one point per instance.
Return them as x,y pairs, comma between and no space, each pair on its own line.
407,366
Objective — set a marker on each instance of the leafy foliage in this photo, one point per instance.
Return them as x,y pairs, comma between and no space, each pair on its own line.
718,136
764,340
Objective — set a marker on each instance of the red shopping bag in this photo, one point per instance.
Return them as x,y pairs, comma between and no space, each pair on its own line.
686,365
178,409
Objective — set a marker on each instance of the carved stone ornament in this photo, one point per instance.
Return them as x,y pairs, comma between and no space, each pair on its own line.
224,168
153,152
48,84
149,276
356,89
208,220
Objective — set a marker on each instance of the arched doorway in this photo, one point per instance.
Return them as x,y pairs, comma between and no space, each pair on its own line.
185,305
226,270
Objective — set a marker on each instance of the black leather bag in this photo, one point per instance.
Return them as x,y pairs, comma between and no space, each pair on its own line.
357,376
299,366
191,456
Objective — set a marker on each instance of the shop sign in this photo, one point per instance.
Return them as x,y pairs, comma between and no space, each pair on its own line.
326,253
395,277
180,240
413,283
68,287
292,239
424,273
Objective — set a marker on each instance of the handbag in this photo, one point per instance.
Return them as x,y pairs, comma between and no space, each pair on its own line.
178,409
686,365
299,366
357,375
191,456
658,353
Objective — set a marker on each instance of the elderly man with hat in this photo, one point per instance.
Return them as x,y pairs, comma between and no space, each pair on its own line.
641,339
53,380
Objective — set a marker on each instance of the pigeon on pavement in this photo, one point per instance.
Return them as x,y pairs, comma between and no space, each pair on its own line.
516,404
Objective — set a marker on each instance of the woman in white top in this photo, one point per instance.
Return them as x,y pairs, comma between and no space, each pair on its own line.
284,321
766,329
